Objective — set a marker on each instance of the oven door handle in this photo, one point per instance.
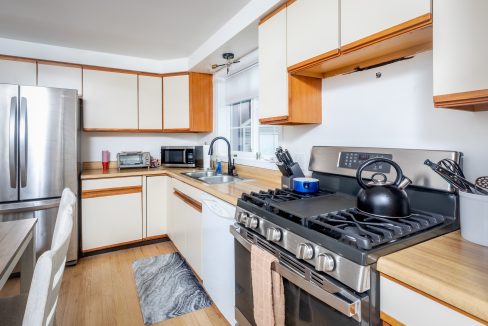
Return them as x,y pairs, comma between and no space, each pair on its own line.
348,308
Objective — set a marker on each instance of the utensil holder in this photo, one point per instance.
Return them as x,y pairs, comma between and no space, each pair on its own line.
474,217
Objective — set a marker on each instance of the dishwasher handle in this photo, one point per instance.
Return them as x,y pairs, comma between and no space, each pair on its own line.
217,209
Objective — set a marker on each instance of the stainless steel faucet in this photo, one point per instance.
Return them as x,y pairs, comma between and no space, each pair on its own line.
230,167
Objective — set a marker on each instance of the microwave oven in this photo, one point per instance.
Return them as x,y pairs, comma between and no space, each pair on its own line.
182,156
133,160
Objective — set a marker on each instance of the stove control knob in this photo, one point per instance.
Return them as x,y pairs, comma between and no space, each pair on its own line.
304,251
273,234
242,217
325,263
252,222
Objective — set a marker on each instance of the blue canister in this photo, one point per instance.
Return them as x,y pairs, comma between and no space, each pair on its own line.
306,185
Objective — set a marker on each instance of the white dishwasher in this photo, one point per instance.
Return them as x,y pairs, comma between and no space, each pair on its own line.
218,254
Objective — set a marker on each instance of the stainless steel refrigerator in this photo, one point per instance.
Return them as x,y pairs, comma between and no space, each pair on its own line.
39,157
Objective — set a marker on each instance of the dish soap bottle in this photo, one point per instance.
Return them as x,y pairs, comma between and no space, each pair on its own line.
218,166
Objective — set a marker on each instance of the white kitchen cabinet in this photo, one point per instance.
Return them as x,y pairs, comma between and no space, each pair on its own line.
414,309
360,19
150,103
156,205
111,212
109,100
218,254
60,76
312,29
273,74
459,54
185,222
176,102
18,72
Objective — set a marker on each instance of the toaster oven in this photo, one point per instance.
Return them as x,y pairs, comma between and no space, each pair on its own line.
133,160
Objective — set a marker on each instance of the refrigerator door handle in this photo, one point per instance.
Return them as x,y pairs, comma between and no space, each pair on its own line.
12,148
23,142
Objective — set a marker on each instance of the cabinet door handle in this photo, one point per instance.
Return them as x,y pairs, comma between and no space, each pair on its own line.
187,199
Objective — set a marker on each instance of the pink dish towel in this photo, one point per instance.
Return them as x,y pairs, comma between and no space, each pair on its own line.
267,288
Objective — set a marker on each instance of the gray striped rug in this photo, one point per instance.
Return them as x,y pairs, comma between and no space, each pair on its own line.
167,288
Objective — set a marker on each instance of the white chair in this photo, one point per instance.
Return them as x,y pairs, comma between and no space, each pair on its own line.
40,304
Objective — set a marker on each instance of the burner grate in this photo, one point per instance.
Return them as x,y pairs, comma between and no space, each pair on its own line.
367,231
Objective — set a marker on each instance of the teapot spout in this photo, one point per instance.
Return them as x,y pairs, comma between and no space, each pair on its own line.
404,183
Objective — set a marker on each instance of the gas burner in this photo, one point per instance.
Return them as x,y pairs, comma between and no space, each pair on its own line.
267,198
366,231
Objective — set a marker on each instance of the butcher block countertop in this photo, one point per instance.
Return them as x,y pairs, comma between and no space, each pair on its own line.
257,179
448,268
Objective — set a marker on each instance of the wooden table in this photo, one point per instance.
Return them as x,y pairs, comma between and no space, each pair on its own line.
17,240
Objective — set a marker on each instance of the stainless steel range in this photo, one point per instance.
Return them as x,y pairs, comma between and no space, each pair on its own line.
326,247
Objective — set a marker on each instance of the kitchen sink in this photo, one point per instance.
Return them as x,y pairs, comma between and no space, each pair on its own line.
200,174
211,177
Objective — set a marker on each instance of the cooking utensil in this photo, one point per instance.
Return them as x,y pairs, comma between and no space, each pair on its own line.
453,175
283,169
482,182
306,185
379,197
289,159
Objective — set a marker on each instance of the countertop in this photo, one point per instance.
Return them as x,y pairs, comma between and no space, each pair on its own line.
448,268
256,179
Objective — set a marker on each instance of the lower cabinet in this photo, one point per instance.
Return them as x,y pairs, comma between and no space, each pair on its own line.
111,212
185,222
155,205
403,306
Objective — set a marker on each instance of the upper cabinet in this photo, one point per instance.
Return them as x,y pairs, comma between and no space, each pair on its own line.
60,76
364,22
370,33
109,101
312,31
176,103
273,75
21,72
150,103
460,53
284,98
187,102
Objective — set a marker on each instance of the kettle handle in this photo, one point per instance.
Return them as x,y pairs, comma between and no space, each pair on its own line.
399,172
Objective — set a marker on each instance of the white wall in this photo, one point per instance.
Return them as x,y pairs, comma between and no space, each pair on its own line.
92,144
395,110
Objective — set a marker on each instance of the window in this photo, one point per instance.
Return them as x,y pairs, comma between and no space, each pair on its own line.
237,96
248,138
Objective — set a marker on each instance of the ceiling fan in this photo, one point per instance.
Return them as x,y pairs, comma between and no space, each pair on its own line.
229,57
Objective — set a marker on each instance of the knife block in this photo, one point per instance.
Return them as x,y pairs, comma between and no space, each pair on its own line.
287,181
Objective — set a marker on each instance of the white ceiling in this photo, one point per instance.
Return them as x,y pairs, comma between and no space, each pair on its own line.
157,29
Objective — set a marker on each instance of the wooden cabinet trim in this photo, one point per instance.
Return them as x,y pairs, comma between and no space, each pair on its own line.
187,199
469,101
177,130
387,320
94,193
405,27
313,61
272,120
271,14
14,58
448,305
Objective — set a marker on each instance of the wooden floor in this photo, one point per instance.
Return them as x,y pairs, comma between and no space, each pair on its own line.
100,290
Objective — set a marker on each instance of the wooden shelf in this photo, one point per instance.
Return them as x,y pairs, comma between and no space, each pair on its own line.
398,43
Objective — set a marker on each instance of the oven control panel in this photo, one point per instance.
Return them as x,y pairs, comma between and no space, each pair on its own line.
353,160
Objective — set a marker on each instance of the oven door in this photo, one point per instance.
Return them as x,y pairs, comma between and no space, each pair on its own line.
306,302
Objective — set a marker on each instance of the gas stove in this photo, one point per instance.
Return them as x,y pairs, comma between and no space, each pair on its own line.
328,232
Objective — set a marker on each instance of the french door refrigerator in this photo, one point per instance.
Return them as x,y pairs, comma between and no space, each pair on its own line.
39,157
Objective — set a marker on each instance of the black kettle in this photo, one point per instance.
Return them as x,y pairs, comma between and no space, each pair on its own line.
381,198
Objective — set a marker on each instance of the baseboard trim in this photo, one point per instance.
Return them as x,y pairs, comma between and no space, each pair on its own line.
141,243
